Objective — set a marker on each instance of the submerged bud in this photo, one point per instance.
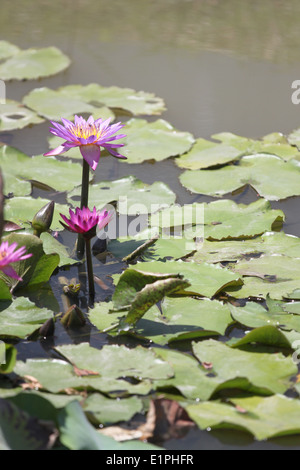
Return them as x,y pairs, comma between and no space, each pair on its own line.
42,220
73,318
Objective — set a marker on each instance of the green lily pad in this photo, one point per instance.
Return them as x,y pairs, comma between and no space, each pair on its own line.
268,335
21,317
205,154
261,416
255,315
276,276
157,141
261,171
107,411
270,373
205,279
48,171
7,49
51,245
110,367
273,144
132,195
13,115
222,219
190,378
270,243
22,209
34,63
184,318
162,249
76,99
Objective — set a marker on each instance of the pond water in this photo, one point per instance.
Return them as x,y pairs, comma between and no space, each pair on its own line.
219,66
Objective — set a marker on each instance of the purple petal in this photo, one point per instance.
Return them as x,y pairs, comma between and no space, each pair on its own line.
114,154
57,151
91,154
9,271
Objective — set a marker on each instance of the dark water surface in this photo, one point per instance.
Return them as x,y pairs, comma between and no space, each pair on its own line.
220,65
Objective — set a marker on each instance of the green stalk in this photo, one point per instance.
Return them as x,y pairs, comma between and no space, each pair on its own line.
83,203
89,265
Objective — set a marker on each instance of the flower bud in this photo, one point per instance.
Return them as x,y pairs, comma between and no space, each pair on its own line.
73,318
42,220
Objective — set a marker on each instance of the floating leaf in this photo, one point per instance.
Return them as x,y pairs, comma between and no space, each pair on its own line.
34,63
205,154
51,245
132,281
49,171
262,416
269,335
114,365
205,279
150,295
21,317
270,243
222,219
107,411
76,99
184,318
269,373
277,276
133,196
7,49
261,171
14,115
22,209
156,140
255,315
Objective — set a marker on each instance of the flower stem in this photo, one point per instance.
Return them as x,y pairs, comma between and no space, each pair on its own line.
89,265
83,203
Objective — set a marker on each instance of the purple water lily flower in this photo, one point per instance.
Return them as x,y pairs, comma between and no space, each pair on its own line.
8,255
85,221
89,136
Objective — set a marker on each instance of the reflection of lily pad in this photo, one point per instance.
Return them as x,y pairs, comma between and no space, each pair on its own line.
34,63
154,141
14,115
272,177
132,194
76,99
